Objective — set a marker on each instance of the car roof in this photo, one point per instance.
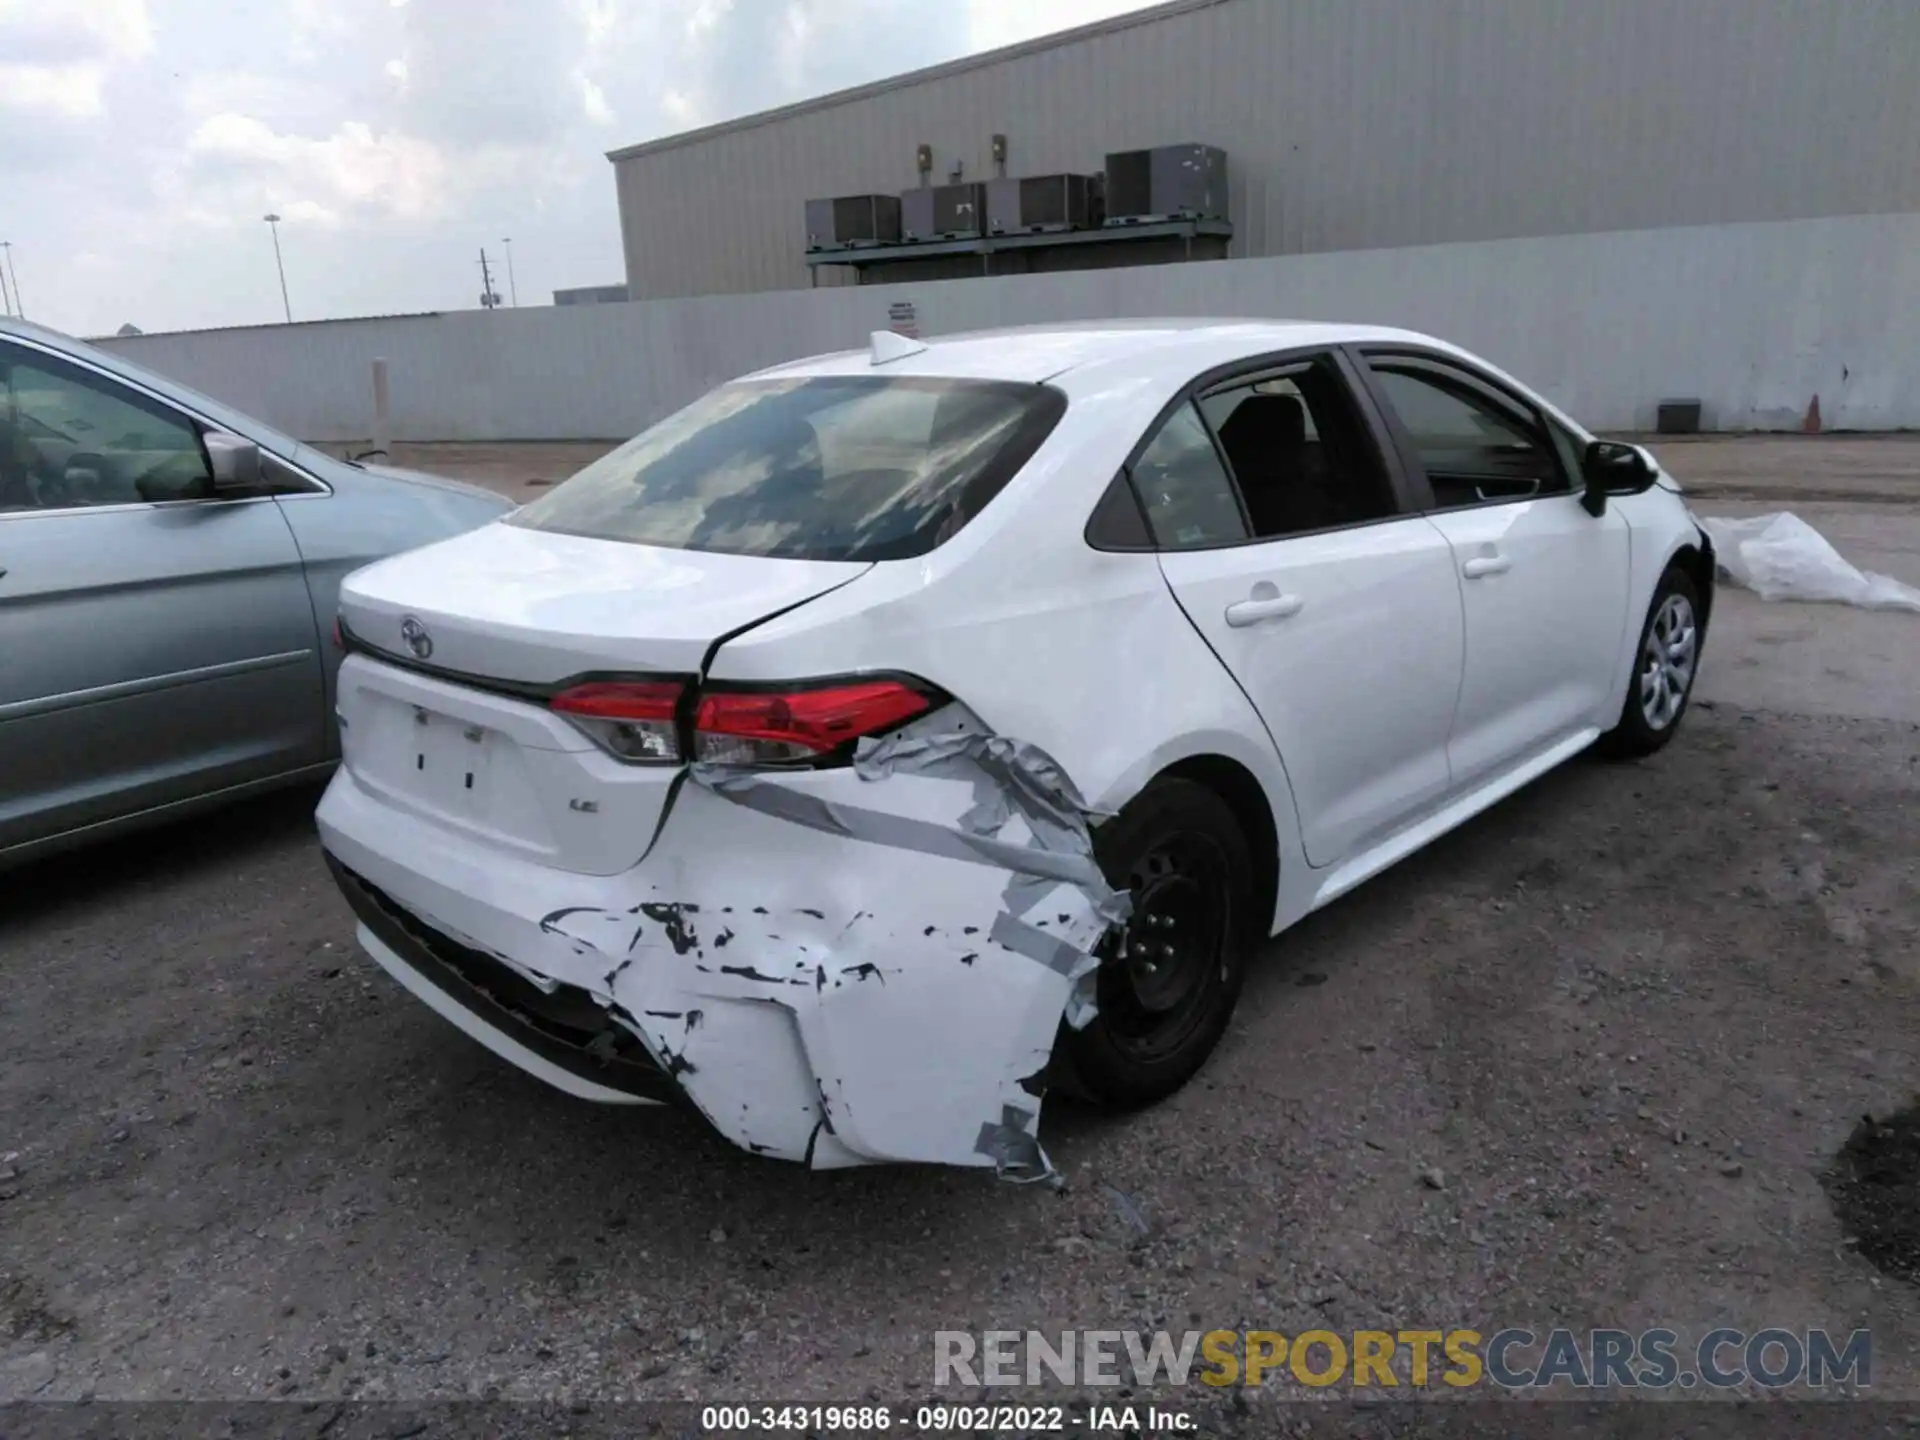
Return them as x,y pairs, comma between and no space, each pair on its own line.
1034,353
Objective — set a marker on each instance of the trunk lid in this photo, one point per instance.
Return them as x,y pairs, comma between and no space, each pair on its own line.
456,728
504,603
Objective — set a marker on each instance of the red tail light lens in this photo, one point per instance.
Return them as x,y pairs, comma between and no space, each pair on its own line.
630,719
760,728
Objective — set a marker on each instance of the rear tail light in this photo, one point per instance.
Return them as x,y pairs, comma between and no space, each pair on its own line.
339,635
629,719
770,728
638,720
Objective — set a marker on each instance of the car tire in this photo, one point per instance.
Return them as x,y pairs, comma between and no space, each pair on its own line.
1666,661
1178,849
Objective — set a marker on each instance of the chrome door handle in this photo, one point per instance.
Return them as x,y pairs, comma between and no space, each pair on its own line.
1252,612
1486,565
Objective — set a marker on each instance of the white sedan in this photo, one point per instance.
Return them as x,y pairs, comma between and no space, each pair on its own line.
890,736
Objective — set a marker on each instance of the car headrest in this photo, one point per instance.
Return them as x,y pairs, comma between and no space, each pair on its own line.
1266,422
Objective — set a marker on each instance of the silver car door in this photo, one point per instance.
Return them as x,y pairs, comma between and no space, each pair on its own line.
156,643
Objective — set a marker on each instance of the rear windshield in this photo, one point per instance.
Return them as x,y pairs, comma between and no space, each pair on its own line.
835,468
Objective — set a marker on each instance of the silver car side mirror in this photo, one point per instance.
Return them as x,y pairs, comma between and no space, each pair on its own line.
235,462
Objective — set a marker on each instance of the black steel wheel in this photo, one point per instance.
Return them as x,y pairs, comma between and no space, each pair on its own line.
1169,979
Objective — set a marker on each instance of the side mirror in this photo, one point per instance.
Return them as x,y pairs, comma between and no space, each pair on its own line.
1611,467
235,462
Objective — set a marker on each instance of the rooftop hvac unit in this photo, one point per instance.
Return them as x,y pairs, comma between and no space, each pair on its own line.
851,220
944,212
1034,204
1172,182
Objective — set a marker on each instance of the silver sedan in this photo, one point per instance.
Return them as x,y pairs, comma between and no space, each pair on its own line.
168,574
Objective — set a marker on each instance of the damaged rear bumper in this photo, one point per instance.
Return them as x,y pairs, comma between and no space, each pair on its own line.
561,1034
833,967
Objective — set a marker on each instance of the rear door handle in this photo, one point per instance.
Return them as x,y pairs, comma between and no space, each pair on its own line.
1270,607
1486,565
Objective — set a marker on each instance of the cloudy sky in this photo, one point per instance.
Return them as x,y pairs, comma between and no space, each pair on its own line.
141,141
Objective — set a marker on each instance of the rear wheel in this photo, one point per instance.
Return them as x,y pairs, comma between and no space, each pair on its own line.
1169,979
1664,667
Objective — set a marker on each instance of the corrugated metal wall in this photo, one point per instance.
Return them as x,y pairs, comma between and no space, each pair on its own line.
1352,124
1754,320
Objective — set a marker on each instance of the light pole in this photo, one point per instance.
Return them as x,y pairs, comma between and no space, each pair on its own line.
512,289
19,306
273,224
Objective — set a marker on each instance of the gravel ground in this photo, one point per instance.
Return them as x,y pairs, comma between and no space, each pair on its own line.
1584,1062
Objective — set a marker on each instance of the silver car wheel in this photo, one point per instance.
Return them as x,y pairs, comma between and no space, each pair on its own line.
1667,661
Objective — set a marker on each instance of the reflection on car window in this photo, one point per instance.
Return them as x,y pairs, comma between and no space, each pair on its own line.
1474,448
1184,488
832,468
70,440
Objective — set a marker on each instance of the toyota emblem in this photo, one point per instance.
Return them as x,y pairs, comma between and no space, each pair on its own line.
416,636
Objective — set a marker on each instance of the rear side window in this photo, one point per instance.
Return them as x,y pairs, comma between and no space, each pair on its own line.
831,468
1300,452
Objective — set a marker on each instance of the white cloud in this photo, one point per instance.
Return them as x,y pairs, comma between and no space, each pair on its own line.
593,101
396,70
706,16
600,17
678,107
352,169
56,59
308,21
69,90
212,91
75,29
993,23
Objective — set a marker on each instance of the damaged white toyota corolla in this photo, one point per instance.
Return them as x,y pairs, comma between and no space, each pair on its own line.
890,736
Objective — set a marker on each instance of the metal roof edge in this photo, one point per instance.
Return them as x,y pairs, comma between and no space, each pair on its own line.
1148,16
270,325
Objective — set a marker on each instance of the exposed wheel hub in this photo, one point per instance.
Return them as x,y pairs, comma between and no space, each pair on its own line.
1163,964
1164,943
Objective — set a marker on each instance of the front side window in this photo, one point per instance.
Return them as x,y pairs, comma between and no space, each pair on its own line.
1185,490
70,439
1476,446
828,468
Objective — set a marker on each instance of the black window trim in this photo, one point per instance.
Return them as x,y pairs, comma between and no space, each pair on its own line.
1528,410
1117,525
1409,500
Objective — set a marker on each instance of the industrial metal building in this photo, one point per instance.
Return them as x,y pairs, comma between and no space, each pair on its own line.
1348,124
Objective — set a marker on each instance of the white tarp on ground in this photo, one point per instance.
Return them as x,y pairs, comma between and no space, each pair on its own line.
1781,557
